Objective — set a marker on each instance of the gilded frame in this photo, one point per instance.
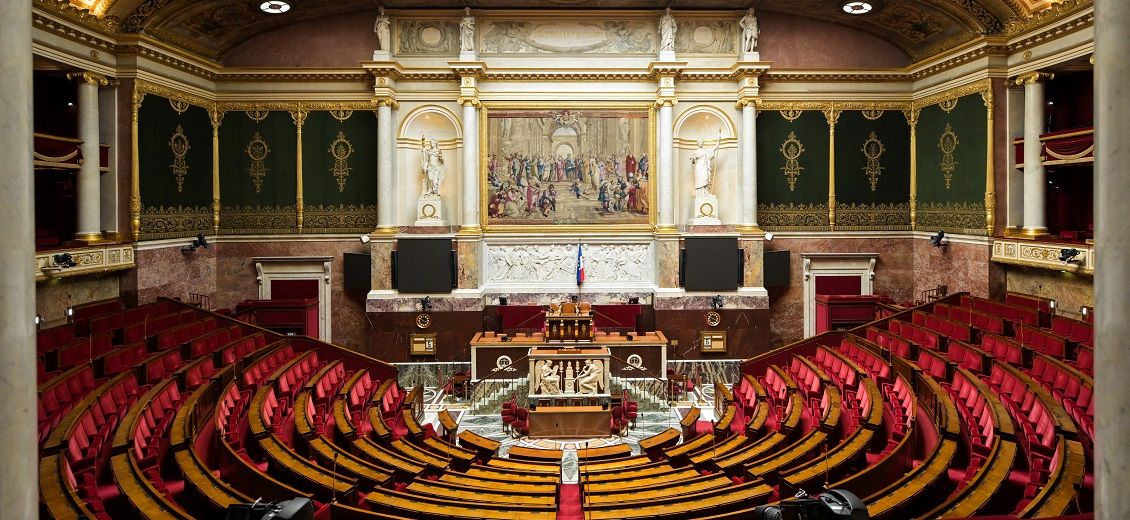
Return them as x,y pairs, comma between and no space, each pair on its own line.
552,227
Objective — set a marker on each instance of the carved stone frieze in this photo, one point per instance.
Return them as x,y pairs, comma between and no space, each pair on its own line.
524,266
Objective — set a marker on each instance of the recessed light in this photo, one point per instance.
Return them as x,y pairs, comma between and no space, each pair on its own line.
277,7
857,7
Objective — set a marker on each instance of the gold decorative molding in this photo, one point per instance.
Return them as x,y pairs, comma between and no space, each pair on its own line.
257,150
792,149
947,143
216,117
89,260
257,219
341,149
1032,78
963,218
90,78
340,218
954,93
179,145
793,216
873,150
1043,255
873,217
159,222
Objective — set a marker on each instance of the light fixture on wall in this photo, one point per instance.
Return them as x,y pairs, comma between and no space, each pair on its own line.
38,320
857,7
1052,304
197,242
426,303
274,7
1084,311
717,302
64,260
69,313
365,238
936,240
768,236
1069,256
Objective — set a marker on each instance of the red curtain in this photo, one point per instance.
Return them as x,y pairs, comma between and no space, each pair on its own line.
831,284
294,289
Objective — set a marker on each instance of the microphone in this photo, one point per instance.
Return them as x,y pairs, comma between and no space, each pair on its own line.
333,490
827,469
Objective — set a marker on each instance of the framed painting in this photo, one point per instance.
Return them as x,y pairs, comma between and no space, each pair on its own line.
567,167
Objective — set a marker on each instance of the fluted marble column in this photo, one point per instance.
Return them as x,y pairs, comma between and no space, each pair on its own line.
1112,272
666,170
89,185
386,203
1035,178
749,166
18,486
470,165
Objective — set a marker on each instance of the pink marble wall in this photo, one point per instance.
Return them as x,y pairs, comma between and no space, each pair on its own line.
788,41
170,273
798,42
1070,290
894,276
336,41
961,267
235,280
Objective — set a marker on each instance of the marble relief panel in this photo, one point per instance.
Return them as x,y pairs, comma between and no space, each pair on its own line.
437,37
568,37
707,37
622,265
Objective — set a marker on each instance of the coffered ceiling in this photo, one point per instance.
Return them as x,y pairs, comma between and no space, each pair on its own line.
919,27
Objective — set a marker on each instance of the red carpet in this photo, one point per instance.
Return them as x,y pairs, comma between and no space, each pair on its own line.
569,503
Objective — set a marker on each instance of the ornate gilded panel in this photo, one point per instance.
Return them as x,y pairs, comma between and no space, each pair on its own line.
174,167
952,217
567,36
792,217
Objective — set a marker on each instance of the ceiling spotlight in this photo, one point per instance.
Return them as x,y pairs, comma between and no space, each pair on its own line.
64,260
936,240
857,7
280,7
1068,256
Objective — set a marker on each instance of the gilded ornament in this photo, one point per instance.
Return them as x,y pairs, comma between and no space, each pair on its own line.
179,106
341,115
948,105
341,149
792,150
948,144
791,114
257,150
178,143
258,115
873,149
872,114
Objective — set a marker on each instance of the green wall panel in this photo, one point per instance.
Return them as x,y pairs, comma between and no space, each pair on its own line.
171,208
339,195
803,204
960,205
268,205
862,204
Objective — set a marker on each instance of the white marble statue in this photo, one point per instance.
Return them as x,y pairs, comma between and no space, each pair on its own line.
549,381
381,27
467,31
591,378
750,31
432,165
667,29
702,161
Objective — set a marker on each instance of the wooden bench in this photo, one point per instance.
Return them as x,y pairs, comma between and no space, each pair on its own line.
429,508
490,495
535,454
663,439
485,447
615,451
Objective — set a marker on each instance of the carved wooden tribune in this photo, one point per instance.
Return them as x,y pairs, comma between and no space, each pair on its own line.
569,372
642,356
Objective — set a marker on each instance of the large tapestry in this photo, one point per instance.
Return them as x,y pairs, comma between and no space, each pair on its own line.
568,166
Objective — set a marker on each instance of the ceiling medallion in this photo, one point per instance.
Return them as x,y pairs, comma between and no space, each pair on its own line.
857,7
274,7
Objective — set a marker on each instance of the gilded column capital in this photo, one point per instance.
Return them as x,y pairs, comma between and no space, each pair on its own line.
1032,78
746,101
299,117
385,102
216,117
92,78
666,101
469,100
911,116
832,116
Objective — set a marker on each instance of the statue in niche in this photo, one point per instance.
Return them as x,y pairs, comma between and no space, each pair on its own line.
432,165
467,31
381,27
591,378
750,31
667,29
702,161
549,382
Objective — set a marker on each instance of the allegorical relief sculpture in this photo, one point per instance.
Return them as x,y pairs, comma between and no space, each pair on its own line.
591,378
557,263
750,33
430,204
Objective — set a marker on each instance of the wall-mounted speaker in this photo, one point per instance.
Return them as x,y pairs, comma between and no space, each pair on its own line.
424,265
358,271
711,264
776,268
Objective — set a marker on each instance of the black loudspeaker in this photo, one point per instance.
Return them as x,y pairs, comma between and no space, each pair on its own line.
741,267
711,264
358,271
682,267
293,509
424,265
776,273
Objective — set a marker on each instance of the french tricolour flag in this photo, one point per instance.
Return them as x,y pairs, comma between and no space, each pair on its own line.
580,264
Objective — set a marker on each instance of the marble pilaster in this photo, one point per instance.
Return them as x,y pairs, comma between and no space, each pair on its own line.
470,166
1035,177
468,251
749,167
18,490
667,262
89,179
380,251
1112,280
754,250
666,170
385,148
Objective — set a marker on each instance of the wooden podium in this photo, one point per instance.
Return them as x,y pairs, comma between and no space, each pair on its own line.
569,323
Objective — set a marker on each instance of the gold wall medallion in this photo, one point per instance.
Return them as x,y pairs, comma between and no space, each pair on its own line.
178,143
258,115
873,149
257,150
179,106
423,321
791,114
872,114
713,318
948,105
341,115
948,144
341,149
792,150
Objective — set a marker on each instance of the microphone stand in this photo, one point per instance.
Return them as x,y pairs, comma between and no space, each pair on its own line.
333,490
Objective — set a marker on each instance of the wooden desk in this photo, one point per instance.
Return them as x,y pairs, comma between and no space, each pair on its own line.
569,421
535,454
485,447
663,439
488,349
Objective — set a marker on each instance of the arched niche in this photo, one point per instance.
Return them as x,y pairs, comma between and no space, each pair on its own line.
428,122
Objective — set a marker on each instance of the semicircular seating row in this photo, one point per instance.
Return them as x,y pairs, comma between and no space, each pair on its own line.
200,412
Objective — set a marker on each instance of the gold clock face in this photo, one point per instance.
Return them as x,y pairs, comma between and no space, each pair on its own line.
713,318
423,321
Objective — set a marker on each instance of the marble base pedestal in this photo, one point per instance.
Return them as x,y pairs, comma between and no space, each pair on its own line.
382,56
429,212
751,56
666,55
705,211
467,56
